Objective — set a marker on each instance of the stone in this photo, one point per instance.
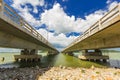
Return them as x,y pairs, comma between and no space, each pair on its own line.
92,67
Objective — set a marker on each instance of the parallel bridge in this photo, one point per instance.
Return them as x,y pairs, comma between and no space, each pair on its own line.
105,33
15,32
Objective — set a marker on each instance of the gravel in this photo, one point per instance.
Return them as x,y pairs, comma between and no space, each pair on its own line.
59,73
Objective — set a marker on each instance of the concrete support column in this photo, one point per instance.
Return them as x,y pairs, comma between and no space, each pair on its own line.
84,52
69,53
97,60
97,52
25,52
29,52
105,60
33,52
52,52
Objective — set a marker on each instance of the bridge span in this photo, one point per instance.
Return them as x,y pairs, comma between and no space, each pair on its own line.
105,33
15,32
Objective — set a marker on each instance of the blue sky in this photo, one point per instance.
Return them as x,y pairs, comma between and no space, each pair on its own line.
79,8
63,20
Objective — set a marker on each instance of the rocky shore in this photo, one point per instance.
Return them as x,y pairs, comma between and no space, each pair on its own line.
60,73
21,73
57,73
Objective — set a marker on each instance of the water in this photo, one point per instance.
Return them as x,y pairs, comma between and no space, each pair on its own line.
57,60
9,60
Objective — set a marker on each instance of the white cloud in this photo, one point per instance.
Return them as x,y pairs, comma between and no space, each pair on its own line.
108,1
17,4
112,5
24,12
32,2
60,39
64,0
35,10
59,21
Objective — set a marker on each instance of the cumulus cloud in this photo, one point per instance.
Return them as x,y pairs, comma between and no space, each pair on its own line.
32,2
64,0
60,39
109,1
24,12
112,5
59,21
17,4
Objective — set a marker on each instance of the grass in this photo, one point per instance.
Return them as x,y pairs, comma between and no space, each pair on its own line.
97,72
82,71
70,61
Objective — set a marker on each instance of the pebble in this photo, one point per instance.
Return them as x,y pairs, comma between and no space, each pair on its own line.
60,73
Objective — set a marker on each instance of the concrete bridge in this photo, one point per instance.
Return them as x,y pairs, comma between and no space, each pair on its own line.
15,32
105,33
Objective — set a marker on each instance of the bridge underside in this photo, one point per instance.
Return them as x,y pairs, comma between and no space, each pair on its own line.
7,40
106,38
14,37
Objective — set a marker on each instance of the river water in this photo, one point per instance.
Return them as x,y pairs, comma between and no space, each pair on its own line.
60,59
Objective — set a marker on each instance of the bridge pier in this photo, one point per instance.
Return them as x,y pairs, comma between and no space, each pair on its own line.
29,52
69,53
52,52
93,56
28,56
97,52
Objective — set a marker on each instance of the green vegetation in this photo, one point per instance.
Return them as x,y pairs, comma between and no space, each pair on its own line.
97,72
82,71
117,73
71,61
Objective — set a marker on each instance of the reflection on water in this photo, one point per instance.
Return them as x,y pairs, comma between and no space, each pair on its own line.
114,57
115,63
60,59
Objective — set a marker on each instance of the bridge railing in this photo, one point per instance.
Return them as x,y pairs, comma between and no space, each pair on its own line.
109,18
0,5
16,19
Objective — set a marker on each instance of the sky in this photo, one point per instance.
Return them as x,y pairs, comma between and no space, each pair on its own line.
62,20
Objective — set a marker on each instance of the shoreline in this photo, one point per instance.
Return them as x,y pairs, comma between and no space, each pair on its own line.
59,73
